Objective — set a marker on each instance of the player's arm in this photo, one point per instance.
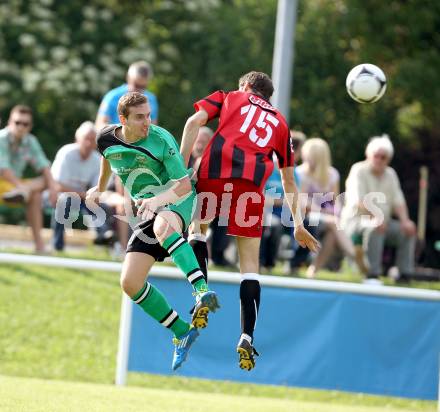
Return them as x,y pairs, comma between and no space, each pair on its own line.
104,176
180,183
302,236
180,188
148,207
190,131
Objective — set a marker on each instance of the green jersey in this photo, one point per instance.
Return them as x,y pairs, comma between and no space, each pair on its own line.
146,167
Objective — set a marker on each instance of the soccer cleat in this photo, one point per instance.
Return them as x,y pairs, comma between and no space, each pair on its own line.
246,354
206,302
182,345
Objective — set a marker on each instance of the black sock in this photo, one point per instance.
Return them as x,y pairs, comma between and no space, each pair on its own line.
201,251
250,302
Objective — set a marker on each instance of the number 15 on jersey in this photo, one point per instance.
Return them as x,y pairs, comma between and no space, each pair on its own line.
265,122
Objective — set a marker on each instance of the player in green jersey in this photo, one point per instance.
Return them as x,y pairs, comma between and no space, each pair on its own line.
147,159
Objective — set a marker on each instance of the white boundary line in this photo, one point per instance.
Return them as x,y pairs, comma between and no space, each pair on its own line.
232,277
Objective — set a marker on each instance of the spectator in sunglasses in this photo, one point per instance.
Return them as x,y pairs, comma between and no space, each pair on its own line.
18,149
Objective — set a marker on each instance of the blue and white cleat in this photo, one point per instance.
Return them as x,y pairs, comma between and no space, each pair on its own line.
182,346
206,302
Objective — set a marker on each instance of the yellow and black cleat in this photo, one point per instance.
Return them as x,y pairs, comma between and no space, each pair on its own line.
207,302
200,317
246,353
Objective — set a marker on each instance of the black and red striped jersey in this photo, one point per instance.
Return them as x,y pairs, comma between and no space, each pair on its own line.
250,131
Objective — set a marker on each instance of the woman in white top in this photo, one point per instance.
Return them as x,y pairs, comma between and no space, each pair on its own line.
320,181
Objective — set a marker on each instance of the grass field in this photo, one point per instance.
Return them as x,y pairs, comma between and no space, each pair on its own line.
62,325
36,395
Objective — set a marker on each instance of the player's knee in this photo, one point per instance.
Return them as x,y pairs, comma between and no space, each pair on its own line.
124,282
129,285
160,228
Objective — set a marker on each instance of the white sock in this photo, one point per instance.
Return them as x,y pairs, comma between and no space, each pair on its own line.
246,337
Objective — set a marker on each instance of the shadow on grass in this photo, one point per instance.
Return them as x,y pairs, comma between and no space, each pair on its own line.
5,281
20,269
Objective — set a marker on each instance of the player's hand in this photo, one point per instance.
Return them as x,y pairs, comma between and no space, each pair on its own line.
146,208
92,195
305,239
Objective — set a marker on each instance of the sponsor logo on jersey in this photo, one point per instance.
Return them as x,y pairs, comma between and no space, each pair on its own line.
141,158
171,151
115,156
262,103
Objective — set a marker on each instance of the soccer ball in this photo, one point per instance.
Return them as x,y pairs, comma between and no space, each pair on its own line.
366,83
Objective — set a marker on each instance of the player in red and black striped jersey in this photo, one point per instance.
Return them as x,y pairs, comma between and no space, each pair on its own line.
249,132
233,171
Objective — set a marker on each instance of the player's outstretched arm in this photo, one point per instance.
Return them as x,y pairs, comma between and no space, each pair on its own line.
190,131
302,235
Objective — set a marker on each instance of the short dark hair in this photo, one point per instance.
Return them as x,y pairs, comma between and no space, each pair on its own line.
21,108
128,100
260,83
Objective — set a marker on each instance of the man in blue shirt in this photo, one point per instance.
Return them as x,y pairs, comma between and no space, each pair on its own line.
138,75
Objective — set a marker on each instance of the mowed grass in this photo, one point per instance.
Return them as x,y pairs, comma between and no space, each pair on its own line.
62,325
36,395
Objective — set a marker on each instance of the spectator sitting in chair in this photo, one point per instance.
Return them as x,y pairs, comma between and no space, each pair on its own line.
273,226
373,186
320,181
19,148
75,170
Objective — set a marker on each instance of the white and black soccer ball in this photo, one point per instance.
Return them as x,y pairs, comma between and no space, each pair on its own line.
366,83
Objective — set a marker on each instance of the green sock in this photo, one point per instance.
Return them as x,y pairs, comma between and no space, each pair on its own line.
151,300
185,259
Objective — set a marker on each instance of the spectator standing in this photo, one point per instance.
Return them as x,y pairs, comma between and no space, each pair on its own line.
373,196
138,76
19,148
75,170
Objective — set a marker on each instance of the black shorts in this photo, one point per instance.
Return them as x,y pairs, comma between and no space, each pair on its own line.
144,240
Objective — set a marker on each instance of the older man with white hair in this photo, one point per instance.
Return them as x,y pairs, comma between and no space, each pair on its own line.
373,198
76,169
